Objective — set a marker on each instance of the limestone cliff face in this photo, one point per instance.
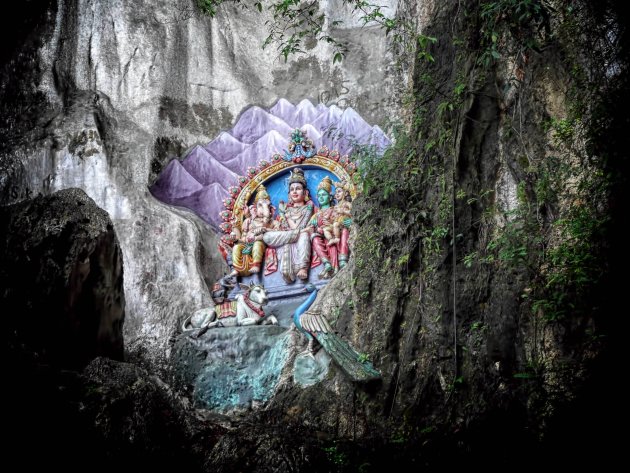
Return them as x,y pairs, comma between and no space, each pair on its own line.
100,95
482,282
469,286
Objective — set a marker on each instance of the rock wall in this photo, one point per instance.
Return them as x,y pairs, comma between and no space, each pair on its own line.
446,264
452,290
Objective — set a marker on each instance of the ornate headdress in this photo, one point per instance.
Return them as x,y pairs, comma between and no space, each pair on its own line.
325,183
297,175
261,194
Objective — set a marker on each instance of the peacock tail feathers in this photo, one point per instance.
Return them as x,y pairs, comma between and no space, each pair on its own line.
356,366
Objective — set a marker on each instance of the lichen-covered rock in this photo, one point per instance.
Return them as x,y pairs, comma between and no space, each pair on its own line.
231,368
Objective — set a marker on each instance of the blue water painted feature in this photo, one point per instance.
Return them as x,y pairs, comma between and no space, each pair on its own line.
242,367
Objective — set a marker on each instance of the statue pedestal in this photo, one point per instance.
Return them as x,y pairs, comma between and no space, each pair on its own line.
232,368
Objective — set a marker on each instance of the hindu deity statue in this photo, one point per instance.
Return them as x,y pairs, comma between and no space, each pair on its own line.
333,254
337,218
343,211
249,250
292,238
327,217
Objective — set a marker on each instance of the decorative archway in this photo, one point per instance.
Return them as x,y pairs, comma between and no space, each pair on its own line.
342,167
316,166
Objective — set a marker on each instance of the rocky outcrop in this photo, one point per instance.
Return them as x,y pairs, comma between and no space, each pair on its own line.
61,274
111,415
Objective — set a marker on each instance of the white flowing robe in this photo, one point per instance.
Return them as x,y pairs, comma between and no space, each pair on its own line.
293,247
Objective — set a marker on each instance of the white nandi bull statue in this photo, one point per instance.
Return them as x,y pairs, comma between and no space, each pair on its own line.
246,309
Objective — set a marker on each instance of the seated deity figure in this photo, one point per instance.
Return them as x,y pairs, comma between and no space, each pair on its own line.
333,255
249,250
292,238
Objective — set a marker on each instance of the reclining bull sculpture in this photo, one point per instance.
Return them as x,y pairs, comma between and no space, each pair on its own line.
246,309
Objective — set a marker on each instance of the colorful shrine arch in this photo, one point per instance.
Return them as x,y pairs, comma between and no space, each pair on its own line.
245,245
271,174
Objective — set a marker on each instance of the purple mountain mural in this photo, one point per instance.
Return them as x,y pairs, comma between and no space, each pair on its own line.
378,139
199,182
330,117
285,110
313,134
204,202
174,182
255,122
225,146
271,142
305,113
206,169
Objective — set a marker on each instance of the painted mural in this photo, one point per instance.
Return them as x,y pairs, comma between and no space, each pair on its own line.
279,187
201,180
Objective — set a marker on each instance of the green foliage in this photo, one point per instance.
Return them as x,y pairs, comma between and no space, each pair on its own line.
423,46
478,326
512,243
563,129
403,260
519,19
335,455
470,259
296,21
209,7
363,358
532,371
456,385
390,174
524,375
572,268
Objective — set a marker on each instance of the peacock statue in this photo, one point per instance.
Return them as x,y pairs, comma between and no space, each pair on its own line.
316,327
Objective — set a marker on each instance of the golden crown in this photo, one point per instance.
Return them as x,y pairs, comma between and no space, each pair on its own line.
297,175
261,193
325,183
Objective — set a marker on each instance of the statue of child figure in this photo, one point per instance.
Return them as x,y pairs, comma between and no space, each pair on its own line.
328,217
342,209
